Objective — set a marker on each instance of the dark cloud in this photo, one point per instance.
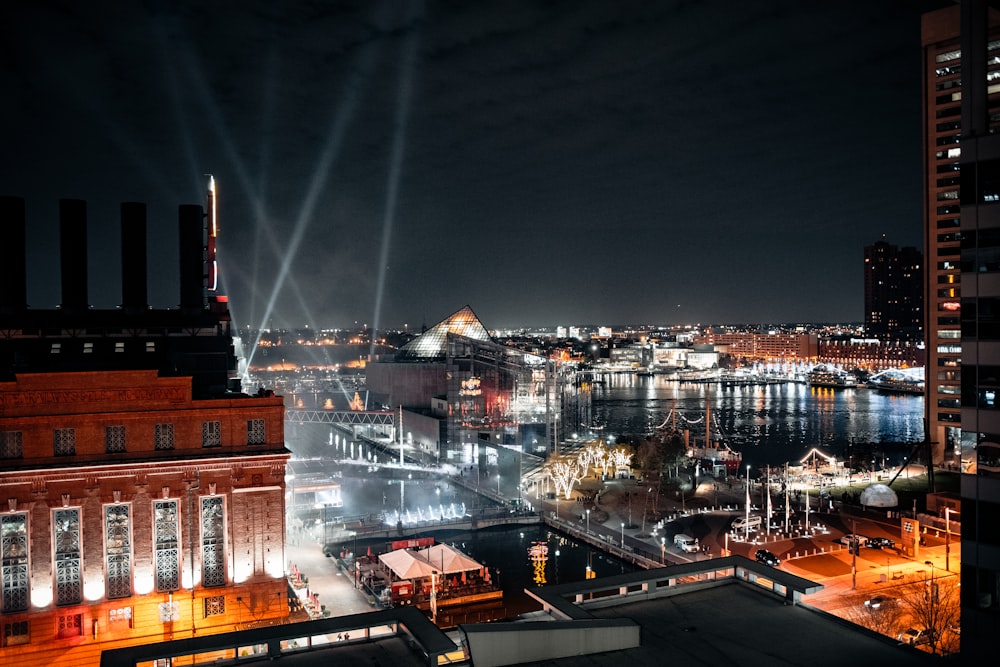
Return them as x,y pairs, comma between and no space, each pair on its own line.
563,162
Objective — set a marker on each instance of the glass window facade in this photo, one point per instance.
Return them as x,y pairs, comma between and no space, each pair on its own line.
118,550
166,545
68,555
213,543
14,564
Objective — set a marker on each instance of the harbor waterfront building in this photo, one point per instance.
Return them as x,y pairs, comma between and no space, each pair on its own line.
488,395
961,47
143,493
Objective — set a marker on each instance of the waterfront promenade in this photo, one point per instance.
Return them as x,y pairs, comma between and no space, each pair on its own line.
645,538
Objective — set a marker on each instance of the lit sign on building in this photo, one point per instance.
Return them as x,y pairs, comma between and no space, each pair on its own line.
470,387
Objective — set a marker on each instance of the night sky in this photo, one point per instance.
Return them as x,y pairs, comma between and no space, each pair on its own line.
543,162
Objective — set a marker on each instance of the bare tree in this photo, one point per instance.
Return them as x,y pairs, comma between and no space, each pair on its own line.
566,472
883,614
933,605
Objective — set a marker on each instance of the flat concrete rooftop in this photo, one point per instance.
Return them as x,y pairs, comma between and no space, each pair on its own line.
734,624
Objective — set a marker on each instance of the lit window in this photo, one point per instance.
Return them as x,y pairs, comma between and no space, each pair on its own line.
68,555
118,550
166,545
213,543
14,573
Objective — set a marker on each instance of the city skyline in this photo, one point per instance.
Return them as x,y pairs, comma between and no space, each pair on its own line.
546,164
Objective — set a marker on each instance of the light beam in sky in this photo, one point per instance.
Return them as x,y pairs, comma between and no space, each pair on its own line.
407,59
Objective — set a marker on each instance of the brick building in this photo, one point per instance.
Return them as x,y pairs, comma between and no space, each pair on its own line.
142,492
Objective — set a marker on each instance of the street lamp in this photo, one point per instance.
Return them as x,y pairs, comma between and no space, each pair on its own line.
746,527
947,538
588,522
498,484
663,551
623,535
933,593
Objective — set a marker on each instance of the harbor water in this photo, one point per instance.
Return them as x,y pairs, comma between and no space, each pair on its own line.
769,424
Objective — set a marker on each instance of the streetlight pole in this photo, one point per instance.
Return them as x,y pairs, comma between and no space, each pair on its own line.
933,597
746,527
498,484
588,522
623,535
947,538
663,551
855,546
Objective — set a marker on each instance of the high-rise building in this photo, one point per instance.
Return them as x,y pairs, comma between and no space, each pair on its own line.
143,492
894,284
942,99
962,226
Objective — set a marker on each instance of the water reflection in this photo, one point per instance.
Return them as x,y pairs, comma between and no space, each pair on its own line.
770,424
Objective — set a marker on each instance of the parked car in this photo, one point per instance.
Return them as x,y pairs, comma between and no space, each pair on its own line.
879,601
743,524
767,558
849,539
880,543
915,637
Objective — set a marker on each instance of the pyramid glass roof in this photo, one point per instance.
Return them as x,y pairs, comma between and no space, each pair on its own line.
432,343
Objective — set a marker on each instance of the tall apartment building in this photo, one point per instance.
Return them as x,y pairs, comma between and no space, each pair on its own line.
142,491
961,48
942,101
894,284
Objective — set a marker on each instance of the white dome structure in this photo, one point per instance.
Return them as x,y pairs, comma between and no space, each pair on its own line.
879,495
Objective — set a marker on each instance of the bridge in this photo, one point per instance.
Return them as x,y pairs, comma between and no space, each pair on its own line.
341,417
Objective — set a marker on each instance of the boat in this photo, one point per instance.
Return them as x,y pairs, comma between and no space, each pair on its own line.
898,381
715,453
897,386
709,453
833,378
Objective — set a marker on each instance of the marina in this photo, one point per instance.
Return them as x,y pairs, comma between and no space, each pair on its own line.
766,424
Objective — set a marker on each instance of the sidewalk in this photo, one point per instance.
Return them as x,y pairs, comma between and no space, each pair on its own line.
327,581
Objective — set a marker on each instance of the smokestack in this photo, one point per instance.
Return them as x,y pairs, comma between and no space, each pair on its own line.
192,257
73,253
135,298
13,257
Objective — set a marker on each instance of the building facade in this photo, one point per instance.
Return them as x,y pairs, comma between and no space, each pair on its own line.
494,395
894,283
942,114
777,347
962,77
143,492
